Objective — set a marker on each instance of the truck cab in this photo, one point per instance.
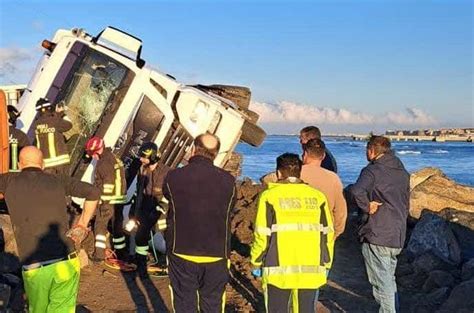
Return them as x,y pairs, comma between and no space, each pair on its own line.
108,91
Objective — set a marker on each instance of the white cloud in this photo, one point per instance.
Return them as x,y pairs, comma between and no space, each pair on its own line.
290,112
16,64
286,112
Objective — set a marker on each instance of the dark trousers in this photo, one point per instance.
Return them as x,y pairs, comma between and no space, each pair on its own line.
197,287
147,221
289,300
105,214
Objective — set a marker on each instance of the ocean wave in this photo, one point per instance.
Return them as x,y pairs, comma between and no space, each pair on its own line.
440,151
402,152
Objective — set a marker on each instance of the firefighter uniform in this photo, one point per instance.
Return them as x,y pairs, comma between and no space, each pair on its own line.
148,206
201,197
49,129
17,140
110,179
293,244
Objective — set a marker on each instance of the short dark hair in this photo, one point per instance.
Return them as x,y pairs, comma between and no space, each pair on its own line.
314,148
201,149
289,165
311,131
379,144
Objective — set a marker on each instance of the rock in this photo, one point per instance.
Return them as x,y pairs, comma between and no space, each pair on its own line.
431,301
433,234
233,165
462,226
468,270
413,281
404,269
5,292
8,236
431,187
9,263
461,298
428,262
438,279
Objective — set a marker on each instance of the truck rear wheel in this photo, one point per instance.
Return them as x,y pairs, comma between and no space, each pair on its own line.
252,134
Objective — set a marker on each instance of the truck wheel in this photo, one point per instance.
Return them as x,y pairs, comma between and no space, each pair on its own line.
251,116
252,134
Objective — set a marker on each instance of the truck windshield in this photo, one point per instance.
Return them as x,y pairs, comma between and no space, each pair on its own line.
93,81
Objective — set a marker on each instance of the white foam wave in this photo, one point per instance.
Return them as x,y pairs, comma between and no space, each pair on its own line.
402,152
440,151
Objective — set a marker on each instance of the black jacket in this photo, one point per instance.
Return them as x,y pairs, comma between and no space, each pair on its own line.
17,140
49,129
201,197
110,176
329,162
38,210
384,180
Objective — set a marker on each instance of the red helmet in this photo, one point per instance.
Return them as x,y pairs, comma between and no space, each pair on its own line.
94,145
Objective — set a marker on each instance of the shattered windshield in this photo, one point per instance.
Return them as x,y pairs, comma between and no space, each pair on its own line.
88,94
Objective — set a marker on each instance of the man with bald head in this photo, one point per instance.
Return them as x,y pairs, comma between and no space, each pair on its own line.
200,197
37,205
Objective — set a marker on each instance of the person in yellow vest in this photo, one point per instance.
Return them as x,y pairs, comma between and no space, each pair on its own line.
50,126
293,240
17,139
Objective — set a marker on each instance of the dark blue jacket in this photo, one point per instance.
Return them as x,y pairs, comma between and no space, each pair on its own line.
384,180
329,162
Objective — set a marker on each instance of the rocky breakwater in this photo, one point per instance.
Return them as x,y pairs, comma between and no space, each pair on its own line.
436,270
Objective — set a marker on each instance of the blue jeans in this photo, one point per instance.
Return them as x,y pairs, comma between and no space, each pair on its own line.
380,263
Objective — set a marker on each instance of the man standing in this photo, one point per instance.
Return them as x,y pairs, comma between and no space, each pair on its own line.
110,179
37,206
292,240
326,181
201,197
313,132
17,139
50,127
382,191
148,206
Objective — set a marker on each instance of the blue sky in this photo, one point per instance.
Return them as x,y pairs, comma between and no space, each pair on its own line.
344,65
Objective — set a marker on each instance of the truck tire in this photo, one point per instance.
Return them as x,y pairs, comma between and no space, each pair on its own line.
252,134
250,115
237,94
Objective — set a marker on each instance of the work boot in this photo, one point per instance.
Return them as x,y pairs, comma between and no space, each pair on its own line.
114,263
141,263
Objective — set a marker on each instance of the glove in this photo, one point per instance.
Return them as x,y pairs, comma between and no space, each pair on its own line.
257,272
78,233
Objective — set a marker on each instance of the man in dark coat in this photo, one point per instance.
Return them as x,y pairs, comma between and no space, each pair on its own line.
382,192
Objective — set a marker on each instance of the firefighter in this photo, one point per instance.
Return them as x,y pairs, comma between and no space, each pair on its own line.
293,240
109,177
148,207
50,127
17,139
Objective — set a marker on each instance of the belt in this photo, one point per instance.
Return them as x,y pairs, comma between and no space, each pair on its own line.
36,265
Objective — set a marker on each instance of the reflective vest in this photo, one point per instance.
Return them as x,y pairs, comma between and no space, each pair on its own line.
110,177
49,130
17,141
294,236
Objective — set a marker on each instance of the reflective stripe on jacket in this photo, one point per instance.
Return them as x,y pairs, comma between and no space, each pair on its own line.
110,178
294,236
49,130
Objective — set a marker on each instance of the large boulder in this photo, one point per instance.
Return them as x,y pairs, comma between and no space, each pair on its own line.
462,226
468,270
433,234
431,189
461,298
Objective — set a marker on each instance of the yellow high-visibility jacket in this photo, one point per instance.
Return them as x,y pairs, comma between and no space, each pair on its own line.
294,236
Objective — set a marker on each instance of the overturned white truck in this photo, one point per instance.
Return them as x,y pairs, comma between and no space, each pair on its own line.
107,90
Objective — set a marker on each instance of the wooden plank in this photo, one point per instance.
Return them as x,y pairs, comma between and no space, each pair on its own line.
4,144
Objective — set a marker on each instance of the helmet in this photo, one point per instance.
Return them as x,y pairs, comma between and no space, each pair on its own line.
43,103
13,114
93,145
149,150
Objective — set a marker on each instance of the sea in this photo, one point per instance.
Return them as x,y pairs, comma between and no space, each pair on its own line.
455,159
